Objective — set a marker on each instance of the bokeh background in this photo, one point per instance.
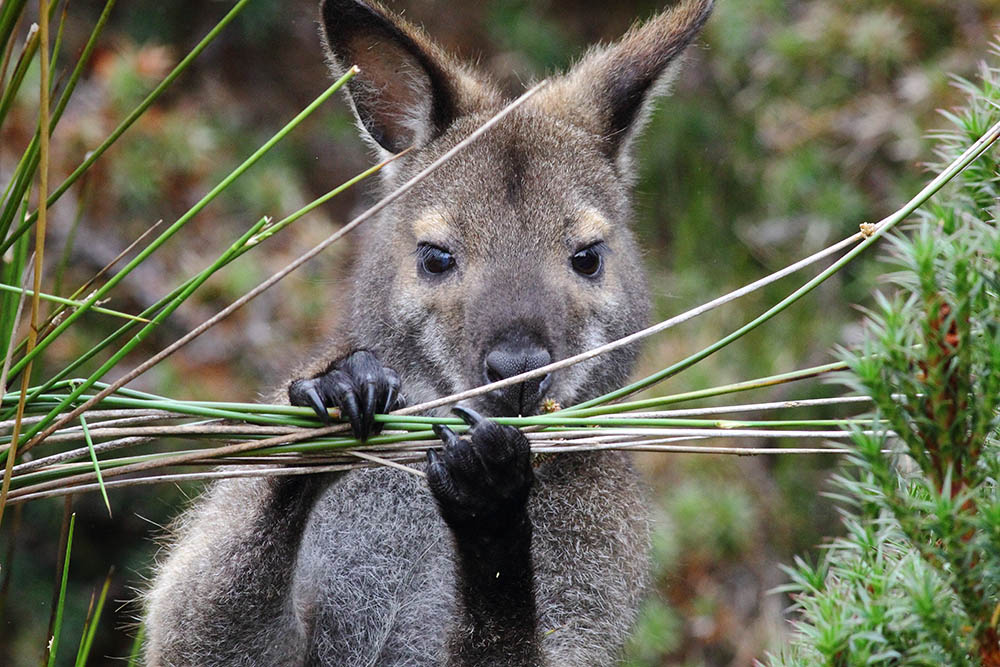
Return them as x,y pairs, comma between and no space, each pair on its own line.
792,122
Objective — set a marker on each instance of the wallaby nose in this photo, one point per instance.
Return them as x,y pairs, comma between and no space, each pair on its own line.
506,361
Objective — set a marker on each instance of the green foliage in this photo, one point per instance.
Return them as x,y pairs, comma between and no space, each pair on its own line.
658,631
916,579
711,524
516,26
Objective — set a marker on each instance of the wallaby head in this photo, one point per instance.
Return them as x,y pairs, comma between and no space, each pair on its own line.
519,251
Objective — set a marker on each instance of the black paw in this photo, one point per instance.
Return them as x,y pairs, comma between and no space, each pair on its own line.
481,482
358,384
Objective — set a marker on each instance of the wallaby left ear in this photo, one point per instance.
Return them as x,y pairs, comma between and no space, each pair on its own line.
610,91
408,91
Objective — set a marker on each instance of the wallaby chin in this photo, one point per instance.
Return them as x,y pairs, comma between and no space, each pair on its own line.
513,255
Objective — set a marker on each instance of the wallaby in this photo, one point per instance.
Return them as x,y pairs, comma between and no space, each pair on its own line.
512,255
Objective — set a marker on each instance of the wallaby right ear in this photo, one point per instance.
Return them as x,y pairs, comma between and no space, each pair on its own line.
408,91
611,90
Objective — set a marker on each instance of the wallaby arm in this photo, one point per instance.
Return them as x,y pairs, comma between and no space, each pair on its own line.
482,484
497,620
224,595
227,586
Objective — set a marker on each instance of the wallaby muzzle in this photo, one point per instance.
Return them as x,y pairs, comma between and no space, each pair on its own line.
510,358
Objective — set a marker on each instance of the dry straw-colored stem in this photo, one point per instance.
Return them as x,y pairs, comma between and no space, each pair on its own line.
43,190
102,418
561,441
294,467
17,318
111,445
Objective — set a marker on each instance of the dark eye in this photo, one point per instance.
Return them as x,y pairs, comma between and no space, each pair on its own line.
588,262
433,259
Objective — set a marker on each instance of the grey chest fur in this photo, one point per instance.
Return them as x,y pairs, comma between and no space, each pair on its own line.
375,544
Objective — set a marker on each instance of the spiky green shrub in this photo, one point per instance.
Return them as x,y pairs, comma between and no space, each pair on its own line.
916,579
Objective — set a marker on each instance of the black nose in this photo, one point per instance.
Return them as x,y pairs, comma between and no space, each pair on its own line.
507,360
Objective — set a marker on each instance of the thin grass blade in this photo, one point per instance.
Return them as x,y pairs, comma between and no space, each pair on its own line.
61,603
97,466
70,302
176,226
91,623
135,655
28,164
95,154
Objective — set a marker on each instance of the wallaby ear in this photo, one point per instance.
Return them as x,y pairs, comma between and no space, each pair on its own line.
611,90
408,91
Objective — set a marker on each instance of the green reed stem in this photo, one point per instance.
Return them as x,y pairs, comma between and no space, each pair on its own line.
168,233
93,156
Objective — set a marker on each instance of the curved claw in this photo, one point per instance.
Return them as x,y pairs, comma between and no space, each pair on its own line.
447,436
368,407
358,384
390,400
317,404
349,408
306,393
434,459
468,415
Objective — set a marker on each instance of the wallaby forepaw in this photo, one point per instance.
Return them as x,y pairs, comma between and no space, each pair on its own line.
359,385
481,482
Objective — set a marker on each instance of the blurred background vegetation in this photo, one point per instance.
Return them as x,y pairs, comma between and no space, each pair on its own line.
792,122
